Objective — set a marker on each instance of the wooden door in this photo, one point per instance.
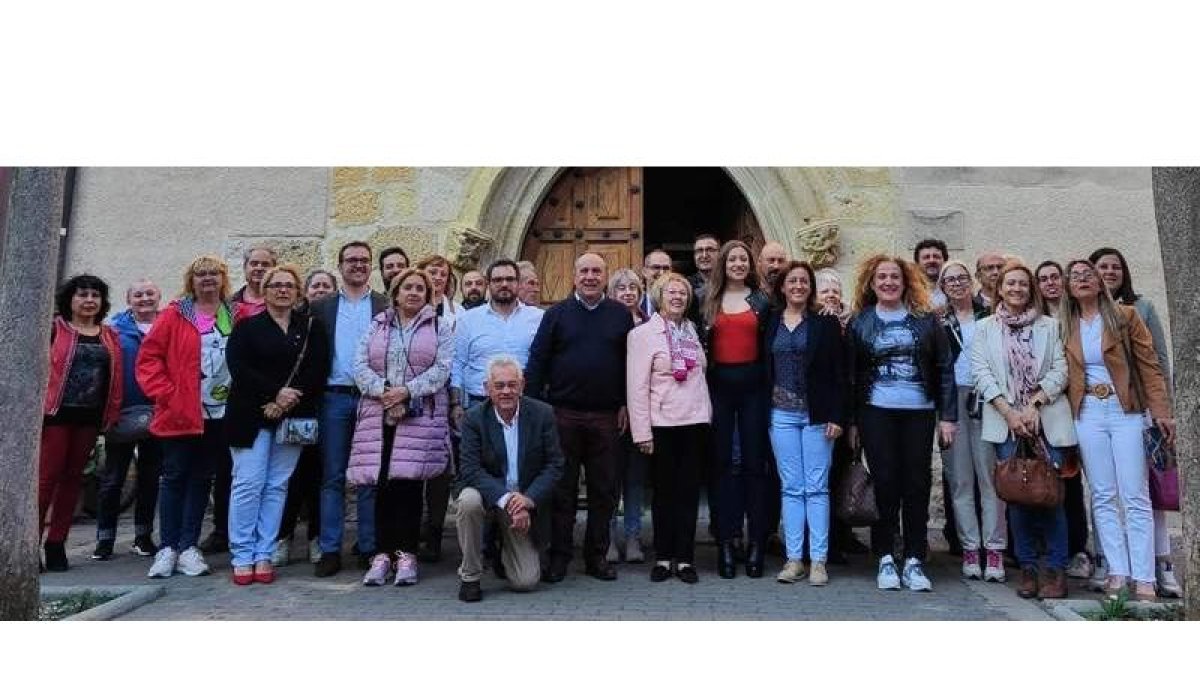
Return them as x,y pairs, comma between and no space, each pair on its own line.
597,210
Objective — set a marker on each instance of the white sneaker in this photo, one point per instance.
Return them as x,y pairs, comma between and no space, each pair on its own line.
970,565
1080,566
281,556
191,562
633,551
887,579
164,563
613,555
993,569
1164,574
381,566
314,551
914,576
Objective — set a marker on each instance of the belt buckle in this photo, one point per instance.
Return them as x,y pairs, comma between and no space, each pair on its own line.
1102,391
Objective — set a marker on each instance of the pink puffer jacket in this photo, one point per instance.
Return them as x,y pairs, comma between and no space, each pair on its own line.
421,449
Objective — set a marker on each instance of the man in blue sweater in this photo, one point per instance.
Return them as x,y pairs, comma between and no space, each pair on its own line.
577,365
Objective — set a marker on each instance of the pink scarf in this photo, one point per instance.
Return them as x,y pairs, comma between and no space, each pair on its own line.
1018,346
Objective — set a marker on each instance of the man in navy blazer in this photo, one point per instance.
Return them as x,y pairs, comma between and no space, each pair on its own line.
509,464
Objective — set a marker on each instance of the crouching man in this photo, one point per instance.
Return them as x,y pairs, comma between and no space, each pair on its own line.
509,464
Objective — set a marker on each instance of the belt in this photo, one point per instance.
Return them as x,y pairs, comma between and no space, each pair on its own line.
1101,391
342,389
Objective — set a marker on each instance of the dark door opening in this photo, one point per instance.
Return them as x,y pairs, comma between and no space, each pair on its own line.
681,202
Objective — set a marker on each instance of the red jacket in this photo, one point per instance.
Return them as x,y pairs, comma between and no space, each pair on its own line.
168,370
62,354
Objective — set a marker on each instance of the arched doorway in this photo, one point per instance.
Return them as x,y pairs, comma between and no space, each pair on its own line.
623,212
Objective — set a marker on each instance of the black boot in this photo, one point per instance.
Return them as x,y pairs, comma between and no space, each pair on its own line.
726,564
56,557
754,560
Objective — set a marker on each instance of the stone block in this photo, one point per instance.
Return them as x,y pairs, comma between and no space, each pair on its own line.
349,176
402,200
304,252
355,207
465,246
392,174
441,193
949,225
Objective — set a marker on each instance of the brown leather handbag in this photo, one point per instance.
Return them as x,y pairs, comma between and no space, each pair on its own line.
855,499
1028,477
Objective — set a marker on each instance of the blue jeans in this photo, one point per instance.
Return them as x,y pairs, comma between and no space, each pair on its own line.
187,473
260,480
803,456
1029,524
339,412
633,487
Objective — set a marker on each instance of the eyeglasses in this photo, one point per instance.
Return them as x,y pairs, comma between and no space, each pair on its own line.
206,273
1086,275
281,286
356,261
957,280
706,249
503,280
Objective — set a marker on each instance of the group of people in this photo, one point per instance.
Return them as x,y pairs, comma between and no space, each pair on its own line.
752,381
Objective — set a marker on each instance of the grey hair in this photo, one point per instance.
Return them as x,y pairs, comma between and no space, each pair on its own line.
525,268
625,275
827,275
143,280
504,361
259,247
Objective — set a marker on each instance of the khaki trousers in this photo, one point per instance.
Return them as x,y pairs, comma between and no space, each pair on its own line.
518,554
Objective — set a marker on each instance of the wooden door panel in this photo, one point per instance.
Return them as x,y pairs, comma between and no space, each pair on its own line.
556,268
587,209
616,255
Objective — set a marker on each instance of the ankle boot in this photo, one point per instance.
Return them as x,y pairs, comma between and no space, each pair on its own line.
726,564
56,557
754,559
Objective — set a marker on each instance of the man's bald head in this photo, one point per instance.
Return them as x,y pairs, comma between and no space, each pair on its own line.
771,261
591,274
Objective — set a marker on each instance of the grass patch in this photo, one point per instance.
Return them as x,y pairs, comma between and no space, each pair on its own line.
1118,609
61,607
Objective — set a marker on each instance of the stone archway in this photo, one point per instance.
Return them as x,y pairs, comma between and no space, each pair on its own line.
785,201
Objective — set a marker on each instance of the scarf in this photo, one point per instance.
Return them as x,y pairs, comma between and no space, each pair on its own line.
684,347
1018,347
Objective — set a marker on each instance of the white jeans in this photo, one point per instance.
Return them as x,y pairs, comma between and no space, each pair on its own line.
1114,460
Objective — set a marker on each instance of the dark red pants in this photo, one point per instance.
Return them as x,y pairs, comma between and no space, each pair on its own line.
589,440
64,453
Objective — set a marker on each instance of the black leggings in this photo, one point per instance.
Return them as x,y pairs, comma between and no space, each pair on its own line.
398,505
899,451
304,495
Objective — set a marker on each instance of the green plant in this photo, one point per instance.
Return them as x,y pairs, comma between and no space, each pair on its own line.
1116,609
62,607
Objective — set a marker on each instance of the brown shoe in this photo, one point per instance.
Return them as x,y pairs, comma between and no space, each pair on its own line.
1053,585
1027,587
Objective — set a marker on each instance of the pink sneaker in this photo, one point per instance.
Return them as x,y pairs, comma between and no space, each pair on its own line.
970,565
994,570
381,564
407,570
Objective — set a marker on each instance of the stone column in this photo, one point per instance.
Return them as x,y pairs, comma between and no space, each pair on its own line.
1177,210
29,225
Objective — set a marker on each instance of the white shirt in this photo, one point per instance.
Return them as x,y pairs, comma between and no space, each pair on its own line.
1091,338
512,446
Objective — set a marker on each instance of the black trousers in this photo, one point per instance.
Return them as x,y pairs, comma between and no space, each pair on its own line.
222,484
304,495
589,440
397,506
900,456
739,400
117,457
1076,508
675,474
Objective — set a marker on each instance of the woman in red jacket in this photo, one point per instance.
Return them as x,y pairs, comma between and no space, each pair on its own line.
181,368
83,399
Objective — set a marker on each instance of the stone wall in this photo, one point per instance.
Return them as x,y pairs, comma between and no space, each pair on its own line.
130,222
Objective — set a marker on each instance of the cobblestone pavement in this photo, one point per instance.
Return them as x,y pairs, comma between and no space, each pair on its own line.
298,595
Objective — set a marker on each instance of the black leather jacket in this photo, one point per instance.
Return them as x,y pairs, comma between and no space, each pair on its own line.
934,361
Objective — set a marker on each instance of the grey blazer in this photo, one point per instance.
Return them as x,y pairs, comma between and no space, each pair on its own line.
483,458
